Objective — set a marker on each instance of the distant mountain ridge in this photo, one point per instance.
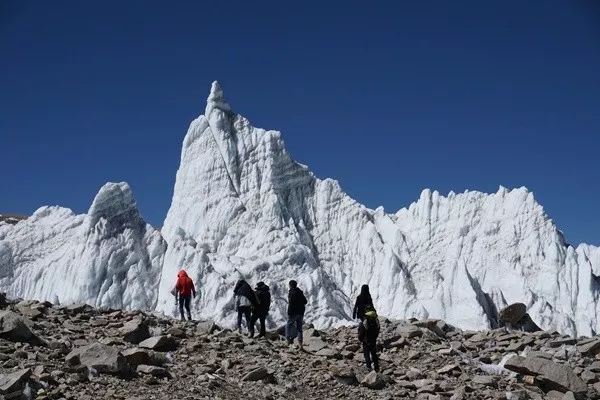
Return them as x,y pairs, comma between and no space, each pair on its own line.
12,218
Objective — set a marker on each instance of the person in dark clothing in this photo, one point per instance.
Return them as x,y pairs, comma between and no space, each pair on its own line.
295,312
364,299
184,289
261,310
245,300
368,331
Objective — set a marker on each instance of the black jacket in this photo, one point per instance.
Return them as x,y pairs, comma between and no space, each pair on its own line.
359,306
296,302
264,298
243,288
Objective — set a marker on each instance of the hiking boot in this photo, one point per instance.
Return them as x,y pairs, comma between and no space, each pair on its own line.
300,345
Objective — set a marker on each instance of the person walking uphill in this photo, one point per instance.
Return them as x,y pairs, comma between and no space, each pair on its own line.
363,300
184,289
245,300
368,331
261,310
295,311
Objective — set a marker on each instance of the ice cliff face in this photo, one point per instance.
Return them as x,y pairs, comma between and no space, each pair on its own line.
242,208
109,257
508,250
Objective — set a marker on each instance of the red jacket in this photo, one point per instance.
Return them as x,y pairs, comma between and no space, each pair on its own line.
184,285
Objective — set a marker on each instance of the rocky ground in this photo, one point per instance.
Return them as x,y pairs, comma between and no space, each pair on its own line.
77,352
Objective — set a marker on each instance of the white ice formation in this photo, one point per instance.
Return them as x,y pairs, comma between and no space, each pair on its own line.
243,208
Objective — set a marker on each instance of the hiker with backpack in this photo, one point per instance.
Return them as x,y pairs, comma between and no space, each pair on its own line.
245,300
261,310
295,312
183,291
368,331
363,300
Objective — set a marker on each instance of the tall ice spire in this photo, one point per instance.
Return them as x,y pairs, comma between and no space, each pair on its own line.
216,99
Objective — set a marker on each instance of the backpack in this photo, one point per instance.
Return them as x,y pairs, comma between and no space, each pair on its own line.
371,322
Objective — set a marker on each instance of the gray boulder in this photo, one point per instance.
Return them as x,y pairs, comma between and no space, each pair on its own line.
14,328
206,328
373,381
137,356
552,375
14,382
153,370
343,373
526,324
104,359
159,343
135,331
256,374
512,314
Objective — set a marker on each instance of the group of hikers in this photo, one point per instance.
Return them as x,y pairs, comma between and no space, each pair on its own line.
254,304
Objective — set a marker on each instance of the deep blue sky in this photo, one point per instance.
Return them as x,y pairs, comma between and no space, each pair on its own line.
388,98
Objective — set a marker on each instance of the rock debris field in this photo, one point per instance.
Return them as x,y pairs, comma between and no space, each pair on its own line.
78,352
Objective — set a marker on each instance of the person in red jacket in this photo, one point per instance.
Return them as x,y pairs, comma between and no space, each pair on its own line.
184,289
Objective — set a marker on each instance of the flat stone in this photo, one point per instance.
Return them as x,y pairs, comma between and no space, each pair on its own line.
373,381
152,370
256,374
409,331
485,380
159,343
14,381
589,349
555,376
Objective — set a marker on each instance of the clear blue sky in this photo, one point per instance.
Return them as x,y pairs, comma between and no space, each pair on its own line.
388,98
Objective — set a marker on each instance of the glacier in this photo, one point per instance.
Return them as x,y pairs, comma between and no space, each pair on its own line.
242,208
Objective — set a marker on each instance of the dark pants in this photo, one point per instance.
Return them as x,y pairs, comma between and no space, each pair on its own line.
294,320
370,352
261,318
246,311
185,301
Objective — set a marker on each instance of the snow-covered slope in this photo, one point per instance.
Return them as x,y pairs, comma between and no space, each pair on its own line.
109,257
242,208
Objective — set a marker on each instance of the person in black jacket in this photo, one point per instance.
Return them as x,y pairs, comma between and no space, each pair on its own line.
261,310
295,312
245,300
363,300
368,331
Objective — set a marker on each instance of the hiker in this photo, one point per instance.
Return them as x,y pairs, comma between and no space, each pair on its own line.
368,331
261,310
364,299
295,312
184,289
245,300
